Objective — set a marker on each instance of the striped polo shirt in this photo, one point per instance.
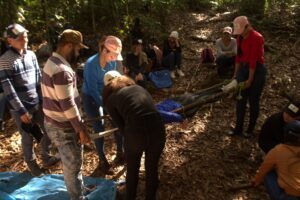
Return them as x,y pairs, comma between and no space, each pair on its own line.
20,77
61,100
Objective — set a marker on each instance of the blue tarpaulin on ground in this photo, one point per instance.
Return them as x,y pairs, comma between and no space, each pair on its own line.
17,186
165,108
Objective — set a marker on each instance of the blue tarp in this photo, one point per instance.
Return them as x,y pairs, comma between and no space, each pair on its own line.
17,186
164,108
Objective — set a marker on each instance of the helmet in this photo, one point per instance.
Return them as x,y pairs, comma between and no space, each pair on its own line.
292,133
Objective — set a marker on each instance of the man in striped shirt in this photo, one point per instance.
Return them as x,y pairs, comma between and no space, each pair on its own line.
20,78
61,105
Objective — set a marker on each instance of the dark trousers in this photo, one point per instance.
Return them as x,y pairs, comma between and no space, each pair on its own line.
274,190
145,135
225,65
172,60
251,94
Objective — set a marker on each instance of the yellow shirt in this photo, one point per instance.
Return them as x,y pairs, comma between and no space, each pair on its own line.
285,159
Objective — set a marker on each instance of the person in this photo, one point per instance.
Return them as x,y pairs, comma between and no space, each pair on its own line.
94,70
136,63
249,69
20,78
280,168
155,56
132,109
2,108
61,105
271,133
226,52
172,54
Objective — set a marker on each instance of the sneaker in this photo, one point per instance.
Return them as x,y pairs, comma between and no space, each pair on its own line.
34,169
180,73
51,161
172,74
119,160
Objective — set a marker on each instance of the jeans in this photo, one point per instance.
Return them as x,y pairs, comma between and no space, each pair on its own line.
2,105
143,135
251,94
67,143
93,111
27,139
225,64
172,60
273,189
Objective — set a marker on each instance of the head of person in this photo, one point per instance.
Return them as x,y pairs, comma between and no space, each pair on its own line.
292,133
173,36
16,36
110,48
226,33
241,26
69,44
137,46
291,112
114,81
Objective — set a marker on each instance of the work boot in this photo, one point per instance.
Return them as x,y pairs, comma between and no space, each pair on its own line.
119,159
51,161
102,169
172,74
180,73
34,169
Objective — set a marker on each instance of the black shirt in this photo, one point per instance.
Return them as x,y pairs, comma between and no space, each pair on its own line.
272,132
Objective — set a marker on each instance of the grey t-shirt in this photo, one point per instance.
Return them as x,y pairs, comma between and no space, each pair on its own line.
222,48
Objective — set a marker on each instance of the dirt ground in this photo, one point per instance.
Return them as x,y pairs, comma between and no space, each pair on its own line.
200,161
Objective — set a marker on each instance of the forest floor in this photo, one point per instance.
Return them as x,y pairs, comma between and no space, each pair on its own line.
200,161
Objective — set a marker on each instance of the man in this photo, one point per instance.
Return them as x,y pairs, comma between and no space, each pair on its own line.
61,105
249,69
20,78
271,133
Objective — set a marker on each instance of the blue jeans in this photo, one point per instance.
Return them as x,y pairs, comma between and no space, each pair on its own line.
93,111
70,151
27,139
251,94
2,105
172,60
275,192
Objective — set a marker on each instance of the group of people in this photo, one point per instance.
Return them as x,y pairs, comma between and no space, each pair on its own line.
50,98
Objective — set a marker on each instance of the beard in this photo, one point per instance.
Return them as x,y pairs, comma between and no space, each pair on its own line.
72,58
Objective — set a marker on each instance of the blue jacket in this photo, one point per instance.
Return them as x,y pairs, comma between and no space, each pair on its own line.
93,76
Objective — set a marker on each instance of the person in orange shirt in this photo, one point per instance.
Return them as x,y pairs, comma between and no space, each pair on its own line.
280,170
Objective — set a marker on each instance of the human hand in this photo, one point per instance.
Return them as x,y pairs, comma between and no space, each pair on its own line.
26,118
248,83
139,77
84,137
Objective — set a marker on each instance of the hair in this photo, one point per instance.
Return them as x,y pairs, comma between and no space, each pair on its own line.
115,85
101,42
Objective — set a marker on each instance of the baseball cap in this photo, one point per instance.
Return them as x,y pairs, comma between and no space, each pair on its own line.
227,29
293,109
14,31
137,41
110,75
239,24
114,44
174,34
72,36
292,133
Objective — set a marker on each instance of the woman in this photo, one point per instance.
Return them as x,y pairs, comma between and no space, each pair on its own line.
96,66
249,69
132,109
226,52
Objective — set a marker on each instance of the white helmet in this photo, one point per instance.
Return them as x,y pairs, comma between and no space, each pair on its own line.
109,76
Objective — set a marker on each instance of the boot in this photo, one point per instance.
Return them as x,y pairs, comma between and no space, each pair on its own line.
34,169
51,161
102,169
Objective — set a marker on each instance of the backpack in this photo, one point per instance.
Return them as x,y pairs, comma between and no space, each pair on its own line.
161,79
207,56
